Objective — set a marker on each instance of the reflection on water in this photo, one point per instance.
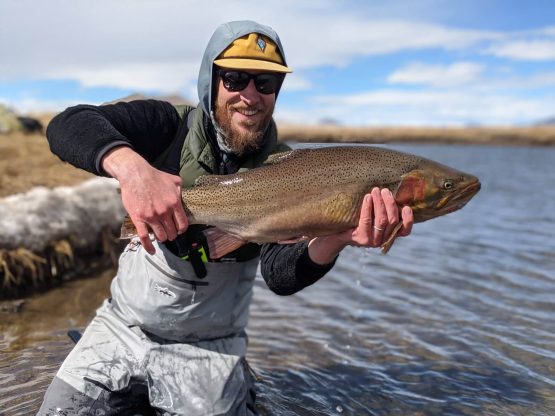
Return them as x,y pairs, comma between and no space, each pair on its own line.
33,343
458,319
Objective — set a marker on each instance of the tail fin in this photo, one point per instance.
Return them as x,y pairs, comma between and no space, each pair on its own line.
128,229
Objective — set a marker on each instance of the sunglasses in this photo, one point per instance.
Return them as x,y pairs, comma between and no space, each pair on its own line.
265,83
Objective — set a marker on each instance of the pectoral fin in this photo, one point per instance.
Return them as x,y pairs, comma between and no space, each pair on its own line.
221,243
389,242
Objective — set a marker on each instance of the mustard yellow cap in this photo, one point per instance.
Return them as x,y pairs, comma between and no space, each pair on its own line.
253,51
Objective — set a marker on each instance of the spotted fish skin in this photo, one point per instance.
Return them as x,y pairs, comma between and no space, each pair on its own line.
319,191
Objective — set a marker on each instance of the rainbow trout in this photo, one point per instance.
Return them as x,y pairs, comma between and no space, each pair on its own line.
314,192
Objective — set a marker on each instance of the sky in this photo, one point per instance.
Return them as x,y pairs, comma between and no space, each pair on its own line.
355,62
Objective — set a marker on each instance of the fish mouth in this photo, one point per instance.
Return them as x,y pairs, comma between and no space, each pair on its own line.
459,199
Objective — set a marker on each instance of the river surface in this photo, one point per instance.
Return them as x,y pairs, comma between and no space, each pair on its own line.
458,319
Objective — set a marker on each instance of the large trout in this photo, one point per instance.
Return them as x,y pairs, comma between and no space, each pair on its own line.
317,192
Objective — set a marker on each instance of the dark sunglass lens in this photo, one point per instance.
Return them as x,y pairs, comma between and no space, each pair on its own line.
235,80
238,80
266,83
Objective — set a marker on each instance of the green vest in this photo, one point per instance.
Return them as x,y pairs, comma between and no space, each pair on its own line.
197,155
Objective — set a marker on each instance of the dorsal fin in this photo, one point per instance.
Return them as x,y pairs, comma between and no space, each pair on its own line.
280,157
206,180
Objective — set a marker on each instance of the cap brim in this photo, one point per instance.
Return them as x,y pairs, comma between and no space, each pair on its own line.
254,64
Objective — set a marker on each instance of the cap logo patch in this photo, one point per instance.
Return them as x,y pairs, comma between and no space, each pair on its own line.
261,44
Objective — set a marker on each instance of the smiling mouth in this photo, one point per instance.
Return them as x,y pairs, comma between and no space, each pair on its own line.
247,112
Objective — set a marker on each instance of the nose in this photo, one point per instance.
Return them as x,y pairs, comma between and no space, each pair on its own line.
250,95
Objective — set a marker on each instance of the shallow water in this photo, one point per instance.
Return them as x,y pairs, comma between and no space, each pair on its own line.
458,319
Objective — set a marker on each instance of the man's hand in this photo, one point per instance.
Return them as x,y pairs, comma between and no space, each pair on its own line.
151,197
378,217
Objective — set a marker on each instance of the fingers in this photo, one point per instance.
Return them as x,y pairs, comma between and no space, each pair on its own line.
154,204
407,217
166,220
379,223
366,212
173,223
163,229
379,219
379,228
392,213
142,232
180,219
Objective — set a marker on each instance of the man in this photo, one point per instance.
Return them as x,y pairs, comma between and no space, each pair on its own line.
172,336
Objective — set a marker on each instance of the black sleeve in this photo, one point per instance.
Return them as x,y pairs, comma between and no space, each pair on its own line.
82,135
287,268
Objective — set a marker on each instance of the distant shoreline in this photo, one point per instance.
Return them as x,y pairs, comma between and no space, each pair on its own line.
541,135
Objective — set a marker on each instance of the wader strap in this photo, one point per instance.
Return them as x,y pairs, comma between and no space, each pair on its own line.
191,246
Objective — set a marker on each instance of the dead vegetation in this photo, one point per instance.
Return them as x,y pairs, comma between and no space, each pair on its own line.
26,162
541,135
23,272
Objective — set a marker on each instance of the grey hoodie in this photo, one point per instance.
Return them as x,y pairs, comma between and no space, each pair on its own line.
223,37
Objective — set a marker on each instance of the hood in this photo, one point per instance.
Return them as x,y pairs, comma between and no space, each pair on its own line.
223,36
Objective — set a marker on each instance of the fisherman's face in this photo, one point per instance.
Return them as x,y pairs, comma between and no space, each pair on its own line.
244,116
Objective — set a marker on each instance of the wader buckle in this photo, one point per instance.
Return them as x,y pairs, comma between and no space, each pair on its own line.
196,255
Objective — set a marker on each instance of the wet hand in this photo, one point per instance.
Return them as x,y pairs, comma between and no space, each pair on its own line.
379,217
152,198
378,220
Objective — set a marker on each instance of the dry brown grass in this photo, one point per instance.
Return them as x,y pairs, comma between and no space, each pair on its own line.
513,136
26,162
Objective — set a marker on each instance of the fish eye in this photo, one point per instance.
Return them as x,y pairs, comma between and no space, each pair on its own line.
448,184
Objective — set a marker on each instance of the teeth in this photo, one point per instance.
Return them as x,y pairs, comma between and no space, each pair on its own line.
248,112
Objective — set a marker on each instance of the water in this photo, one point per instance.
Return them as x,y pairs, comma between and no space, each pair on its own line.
458,319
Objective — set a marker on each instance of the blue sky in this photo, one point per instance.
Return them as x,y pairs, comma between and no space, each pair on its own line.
426,62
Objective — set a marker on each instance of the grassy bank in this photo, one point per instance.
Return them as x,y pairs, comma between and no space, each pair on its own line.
509,136
26,162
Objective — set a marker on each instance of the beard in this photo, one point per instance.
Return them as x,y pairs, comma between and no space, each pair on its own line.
247,137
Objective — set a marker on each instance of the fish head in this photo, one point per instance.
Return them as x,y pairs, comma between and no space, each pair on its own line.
433,190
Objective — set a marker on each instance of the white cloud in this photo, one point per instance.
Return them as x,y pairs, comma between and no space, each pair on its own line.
550,31
146,45
294,82
165,77
437,75
347,37
510,82
33,105
68,39
433,107
536,50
